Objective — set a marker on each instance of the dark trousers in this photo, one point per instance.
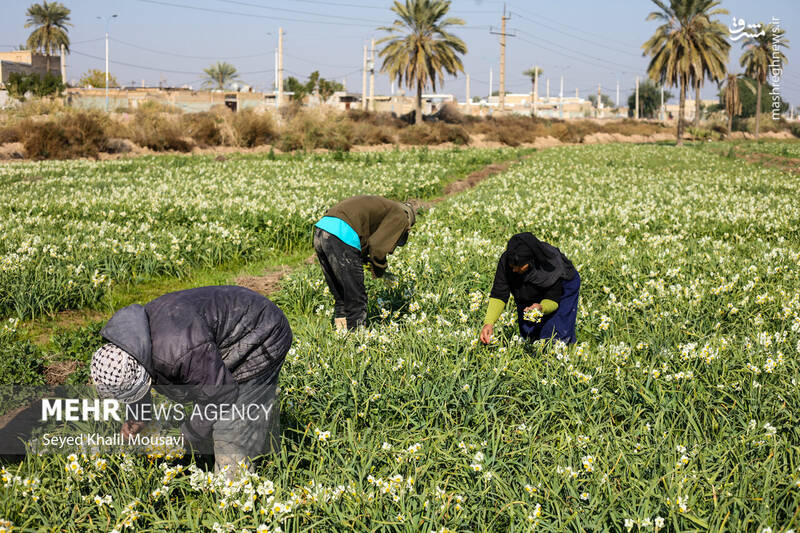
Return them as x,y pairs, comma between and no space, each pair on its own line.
560,324
344,272
237,440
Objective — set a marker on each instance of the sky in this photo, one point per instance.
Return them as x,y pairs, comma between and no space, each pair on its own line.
585,41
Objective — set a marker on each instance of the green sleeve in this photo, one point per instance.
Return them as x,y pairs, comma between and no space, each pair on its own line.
548,306
494,311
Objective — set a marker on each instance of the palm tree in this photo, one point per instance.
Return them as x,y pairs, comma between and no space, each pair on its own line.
51,20
715,52
733,105
685,42
420,48
763,55
221,74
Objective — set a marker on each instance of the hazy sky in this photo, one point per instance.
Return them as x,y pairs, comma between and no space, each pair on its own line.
589,42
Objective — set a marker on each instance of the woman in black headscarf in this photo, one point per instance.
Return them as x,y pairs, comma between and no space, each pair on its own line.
540,277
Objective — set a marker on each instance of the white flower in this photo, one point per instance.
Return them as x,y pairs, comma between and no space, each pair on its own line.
322,435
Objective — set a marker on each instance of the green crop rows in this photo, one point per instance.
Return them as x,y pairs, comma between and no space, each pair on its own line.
676,411
69,230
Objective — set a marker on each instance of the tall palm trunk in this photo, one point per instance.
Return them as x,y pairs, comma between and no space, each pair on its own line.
418,108
730,124
681,109
758,107
697,107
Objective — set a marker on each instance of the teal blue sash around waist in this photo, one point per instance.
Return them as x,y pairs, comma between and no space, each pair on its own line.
341,229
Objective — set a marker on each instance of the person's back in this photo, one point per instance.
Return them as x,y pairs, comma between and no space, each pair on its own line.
211,345
250,332
358,230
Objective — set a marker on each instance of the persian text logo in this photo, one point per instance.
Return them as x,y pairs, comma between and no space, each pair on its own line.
739,27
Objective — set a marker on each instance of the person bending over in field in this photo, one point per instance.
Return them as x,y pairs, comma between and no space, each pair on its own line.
545,286
215,346
359,230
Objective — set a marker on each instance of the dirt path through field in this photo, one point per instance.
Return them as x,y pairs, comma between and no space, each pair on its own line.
786,164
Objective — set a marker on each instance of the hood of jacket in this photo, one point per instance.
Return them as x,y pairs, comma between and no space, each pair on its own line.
129,329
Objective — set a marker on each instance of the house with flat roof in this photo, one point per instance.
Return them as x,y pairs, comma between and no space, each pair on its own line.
27,62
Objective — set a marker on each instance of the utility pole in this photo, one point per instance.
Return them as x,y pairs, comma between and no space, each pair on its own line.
637,98
364,82
280,68
469,103
275,87
548,91
372,76
108,21
63,66
599,100
503,35
106,68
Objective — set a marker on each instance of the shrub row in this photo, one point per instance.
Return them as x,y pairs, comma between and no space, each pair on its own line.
66,133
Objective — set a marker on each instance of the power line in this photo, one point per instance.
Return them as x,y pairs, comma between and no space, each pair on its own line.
556,51
581,30
250,15
315,62
163,52
296,11
135,66
579,38
340,4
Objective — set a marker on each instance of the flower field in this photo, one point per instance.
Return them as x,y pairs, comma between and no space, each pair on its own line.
677,410
69,230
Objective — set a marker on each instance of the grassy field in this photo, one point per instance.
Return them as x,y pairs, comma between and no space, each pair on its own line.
71,230
677,410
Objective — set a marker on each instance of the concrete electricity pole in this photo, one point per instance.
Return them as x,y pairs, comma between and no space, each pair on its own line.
364,82
280,67
372,76
599,100
469,104
108,21
637,98
502,34
63,66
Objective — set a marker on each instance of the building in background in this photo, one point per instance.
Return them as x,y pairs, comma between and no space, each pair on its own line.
27,62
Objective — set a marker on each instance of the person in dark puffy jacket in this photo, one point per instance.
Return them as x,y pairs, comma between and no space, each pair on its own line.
214,346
